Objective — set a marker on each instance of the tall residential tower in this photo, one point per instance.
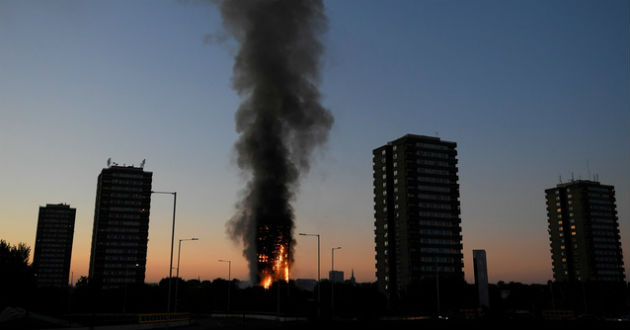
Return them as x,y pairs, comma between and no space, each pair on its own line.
53,245
121,227
417,213
584,232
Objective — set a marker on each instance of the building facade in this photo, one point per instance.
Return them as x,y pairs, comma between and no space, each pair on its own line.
416,211
584,232
336,276
481,277
121,227
53,245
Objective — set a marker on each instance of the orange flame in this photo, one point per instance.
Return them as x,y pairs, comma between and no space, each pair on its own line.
279,269
267,282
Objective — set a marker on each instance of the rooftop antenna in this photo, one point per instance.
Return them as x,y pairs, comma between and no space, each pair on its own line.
572,178
109,161
560,178
142,163
588,170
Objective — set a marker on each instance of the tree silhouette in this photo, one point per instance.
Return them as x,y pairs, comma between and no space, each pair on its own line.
16,277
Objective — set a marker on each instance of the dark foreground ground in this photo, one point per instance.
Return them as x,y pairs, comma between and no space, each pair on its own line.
233,323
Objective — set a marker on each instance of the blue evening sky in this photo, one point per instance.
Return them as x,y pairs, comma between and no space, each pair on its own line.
529,90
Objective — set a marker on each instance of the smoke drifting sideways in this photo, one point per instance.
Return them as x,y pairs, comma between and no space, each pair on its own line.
280,122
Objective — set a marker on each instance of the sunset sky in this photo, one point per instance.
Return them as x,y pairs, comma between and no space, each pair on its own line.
529,90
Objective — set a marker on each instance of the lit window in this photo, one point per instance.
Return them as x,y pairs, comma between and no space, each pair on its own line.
572,233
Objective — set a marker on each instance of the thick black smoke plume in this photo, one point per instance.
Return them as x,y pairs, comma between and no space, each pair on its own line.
280,121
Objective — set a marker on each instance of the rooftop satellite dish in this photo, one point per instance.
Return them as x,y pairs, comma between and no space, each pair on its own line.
109,161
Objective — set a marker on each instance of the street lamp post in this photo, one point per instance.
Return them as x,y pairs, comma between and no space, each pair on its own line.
332,281
229,262
179,253
319,309
170,268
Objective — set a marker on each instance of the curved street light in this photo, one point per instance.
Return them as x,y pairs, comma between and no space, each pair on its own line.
319,310
332,281
179,253
170,268
229,262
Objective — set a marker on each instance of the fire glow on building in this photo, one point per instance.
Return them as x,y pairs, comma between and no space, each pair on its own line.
280,122
273,257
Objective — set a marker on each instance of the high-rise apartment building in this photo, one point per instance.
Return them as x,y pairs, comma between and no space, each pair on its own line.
121,227
53,245
481,277
584,232
417,212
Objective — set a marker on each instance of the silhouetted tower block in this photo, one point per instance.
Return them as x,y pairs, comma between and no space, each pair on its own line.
121,227
584,232
481,277
417,212
335,276
53,245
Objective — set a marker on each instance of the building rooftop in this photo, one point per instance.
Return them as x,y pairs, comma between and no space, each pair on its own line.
420,137
57,205
577,182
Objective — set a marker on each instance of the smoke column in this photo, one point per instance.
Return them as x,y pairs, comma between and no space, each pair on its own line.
280,122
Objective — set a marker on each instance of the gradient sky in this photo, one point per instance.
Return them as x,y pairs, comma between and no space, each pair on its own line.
529,90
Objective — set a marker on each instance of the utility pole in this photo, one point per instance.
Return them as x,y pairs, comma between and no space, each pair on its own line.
319,282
